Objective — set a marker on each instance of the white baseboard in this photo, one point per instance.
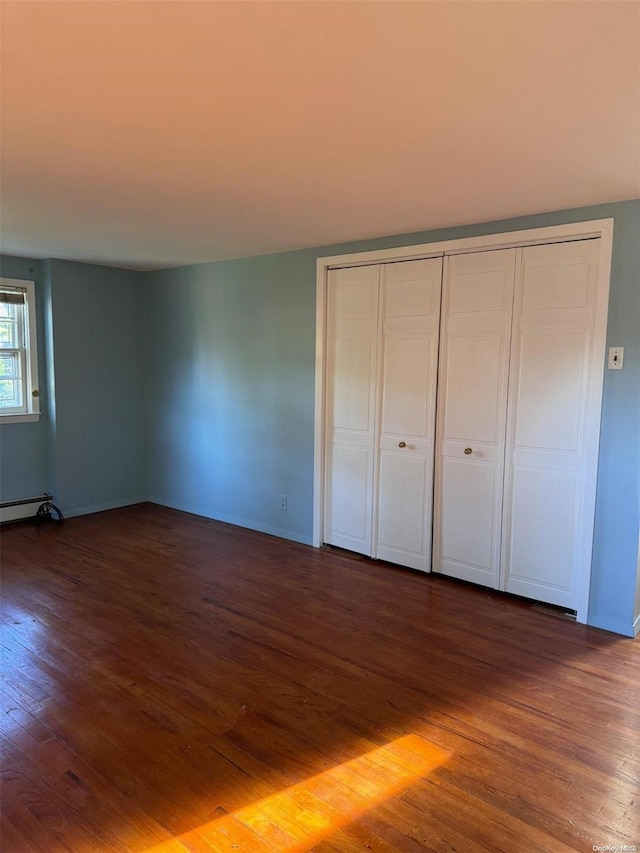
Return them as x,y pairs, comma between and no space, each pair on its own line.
636,626
88,510
280,532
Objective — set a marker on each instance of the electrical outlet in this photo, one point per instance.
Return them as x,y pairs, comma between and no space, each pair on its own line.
283,502
616,357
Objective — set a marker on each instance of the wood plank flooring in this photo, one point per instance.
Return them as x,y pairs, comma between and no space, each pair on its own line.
171,683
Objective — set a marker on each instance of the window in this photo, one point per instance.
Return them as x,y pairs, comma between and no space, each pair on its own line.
19,394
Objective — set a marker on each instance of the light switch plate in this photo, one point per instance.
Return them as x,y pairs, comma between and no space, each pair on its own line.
616,358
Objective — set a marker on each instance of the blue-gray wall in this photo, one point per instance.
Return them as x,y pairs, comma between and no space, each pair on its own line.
230,354
23,447
95,359
89,447
231,386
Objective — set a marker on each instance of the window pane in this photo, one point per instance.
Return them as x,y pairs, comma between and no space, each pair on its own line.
8,333
10,393
7,310
9,366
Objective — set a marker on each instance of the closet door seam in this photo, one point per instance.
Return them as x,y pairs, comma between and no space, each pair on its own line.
502,579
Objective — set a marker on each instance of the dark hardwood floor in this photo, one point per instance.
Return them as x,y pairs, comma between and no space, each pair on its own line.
172,683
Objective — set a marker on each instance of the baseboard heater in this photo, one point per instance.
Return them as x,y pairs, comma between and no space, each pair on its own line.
25,508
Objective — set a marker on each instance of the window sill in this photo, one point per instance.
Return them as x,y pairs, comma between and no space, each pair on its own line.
20,419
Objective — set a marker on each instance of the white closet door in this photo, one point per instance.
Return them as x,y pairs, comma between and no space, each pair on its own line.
410,312
351,405
552,422
472,400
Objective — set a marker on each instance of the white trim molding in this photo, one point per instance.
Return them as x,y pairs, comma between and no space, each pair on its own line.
19,419
31,388
89,510
592,229
246,523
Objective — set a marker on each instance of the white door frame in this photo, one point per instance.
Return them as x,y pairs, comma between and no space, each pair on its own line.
602,228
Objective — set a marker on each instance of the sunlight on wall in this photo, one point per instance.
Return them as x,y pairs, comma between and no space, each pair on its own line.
299,817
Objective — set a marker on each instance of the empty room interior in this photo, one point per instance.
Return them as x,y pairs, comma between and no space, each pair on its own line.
320,426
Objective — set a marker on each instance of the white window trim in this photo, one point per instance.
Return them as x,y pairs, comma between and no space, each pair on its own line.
31,345
602,228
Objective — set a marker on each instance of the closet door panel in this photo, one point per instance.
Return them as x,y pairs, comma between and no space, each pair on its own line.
407,369
543,528
351,407
470,543
410,302
547,532
472,408
551,387
474,352
350,494
351,391
403,484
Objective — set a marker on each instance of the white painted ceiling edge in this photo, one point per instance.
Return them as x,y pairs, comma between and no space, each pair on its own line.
150,134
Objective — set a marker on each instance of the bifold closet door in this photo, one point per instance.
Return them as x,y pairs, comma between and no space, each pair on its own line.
382,346
472,402
410,315
351,371
518,419
553,419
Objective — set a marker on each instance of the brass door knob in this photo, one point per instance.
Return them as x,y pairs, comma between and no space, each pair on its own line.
468,450
402,444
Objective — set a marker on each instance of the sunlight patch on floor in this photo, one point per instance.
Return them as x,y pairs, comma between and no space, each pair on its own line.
298,817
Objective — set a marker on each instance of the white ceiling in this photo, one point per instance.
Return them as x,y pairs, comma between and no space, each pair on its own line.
151,133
